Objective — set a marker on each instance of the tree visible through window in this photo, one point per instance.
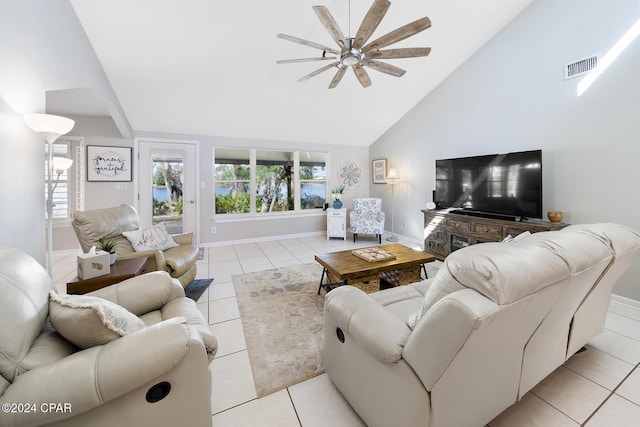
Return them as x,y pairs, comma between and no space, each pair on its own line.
313,180
268,180
232,178
274,181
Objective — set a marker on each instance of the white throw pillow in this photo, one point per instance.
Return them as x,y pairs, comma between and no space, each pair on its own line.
150,238
88,321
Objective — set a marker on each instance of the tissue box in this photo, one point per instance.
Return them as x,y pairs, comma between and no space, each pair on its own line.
93,265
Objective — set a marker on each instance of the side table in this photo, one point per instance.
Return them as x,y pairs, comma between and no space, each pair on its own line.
122,269
337,223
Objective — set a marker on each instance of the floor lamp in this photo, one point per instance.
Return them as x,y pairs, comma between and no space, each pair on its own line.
392,179
51,127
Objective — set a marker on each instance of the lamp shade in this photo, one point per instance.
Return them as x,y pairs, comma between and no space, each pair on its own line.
48,125
61,163
392,178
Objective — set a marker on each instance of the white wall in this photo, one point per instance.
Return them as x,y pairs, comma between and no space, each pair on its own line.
257,228
511,96
95,131
102,131
42,48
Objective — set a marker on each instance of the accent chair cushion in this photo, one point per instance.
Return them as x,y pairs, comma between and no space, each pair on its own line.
367,216
89,321
150,238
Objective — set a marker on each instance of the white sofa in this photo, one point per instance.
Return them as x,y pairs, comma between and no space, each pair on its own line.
459,348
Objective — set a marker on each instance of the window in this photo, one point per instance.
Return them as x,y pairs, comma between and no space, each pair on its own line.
68,188
313,180
232,179
267,181
275,191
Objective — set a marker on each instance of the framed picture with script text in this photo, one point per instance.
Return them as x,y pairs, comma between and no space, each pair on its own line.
379,171
108,163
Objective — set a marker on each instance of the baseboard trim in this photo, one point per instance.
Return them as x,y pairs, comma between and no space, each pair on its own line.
67,251
262,239
625,301
406,239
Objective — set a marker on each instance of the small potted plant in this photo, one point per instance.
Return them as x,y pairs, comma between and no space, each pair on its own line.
336,195
108,246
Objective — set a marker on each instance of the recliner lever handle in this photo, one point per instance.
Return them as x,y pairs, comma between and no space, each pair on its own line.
158,392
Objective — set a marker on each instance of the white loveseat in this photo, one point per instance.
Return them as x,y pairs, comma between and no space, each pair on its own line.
461,347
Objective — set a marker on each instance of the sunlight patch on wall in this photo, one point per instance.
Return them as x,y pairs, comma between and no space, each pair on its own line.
430,228
610,57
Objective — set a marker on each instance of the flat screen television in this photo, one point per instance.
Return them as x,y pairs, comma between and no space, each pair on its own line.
505,184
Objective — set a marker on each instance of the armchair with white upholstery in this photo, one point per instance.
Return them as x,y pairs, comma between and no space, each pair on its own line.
93,225
367,217
154,374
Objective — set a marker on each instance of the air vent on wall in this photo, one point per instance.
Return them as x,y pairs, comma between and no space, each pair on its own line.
581,66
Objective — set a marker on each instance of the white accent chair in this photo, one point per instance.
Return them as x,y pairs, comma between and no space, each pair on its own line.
367,217
458,349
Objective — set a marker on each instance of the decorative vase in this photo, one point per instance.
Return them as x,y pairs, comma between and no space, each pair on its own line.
337,204
112,258
555,217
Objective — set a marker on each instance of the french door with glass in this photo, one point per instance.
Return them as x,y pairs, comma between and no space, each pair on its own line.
167,176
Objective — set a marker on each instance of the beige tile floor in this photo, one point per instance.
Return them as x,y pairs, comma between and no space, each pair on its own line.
598,387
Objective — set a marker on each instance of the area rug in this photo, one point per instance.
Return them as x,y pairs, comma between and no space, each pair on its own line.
195,289
282,317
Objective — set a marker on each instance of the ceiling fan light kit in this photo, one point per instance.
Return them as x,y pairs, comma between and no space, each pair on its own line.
354,52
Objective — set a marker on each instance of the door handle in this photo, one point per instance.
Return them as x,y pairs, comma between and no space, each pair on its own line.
192,201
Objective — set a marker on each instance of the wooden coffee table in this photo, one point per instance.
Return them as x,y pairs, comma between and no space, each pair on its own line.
122,269
345,268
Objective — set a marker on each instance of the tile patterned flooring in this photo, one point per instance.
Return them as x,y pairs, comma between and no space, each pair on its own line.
598,387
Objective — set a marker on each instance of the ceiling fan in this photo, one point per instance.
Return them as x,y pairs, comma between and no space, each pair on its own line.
354,53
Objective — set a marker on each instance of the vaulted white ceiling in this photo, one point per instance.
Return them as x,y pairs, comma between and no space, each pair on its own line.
208,67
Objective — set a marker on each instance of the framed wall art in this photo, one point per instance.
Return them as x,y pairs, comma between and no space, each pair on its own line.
349,175
379,168
108,163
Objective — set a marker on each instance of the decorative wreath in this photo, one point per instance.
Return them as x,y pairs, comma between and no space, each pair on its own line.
349,175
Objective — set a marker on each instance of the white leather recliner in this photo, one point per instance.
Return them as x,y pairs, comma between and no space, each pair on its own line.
90,226
157,375
458,349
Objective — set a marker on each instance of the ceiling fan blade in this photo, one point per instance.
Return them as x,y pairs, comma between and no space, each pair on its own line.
362,75
370,22
291,61
337,77
307,43
318,71
408,52
385,68
331,26
398,34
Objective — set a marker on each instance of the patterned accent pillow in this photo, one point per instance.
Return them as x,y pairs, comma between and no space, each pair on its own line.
150,238
88,321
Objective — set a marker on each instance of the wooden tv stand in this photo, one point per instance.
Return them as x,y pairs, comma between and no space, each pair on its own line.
446,232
